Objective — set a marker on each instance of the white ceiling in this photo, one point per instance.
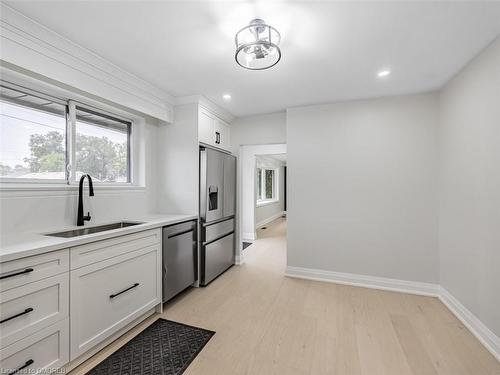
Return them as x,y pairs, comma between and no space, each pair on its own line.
331,50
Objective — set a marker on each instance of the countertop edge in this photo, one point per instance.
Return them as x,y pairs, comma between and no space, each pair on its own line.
25,250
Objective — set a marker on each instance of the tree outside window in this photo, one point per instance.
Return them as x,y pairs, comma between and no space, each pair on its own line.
266,182
33,140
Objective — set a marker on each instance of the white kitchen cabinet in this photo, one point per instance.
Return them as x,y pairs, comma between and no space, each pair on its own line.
94,289
93,252
44,349
31,307
224,135
108,295
213,131
22,271
206,127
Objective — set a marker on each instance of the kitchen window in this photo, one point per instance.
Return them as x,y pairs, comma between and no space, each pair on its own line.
102,146
33,136
267,186
49,140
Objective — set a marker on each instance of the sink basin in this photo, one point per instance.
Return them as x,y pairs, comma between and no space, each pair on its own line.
90,230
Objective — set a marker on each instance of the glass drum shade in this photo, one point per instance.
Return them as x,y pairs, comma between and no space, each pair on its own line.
257,46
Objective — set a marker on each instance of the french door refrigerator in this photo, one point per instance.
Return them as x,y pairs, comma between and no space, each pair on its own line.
217,213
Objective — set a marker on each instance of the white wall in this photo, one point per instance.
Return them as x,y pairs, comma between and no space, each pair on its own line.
178,162
270,210
362,195
258,130
469,225
47,209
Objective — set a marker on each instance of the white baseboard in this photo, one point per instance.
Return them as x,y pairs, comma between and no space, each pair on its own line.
490,341
248,237
238,260
395,285
269,219
364,281
472,322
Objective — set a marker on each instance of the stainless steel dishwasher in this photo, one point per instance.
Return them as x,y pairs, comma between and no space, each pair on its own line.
180,263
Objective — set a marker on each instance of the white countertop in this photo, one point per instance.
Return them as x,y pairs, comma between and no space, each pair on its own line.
20,245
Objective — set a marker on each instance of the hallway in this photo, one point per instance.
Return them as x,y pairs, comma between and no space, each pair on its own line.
266,323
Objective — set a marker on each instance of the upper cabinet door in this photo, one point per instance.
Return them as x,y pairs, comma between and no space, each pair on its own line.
222,134
206,128
213,131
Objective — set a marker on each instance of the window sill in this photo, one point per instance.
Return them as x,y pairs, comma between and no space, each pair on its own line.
266,202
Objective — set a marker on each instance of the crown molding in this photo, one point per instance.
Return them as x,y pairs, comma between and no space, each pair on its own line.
35,48
207,104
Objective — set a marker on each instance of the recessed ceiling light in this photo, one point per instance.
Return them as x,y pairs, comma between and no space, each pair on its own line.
383,73
226,97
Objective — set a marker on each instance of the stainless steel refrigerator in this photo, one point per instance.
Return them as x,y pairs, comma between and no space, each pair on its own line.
217,213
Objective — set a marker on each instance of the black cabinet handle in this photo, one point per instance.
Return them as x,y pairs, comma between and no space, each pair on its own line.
124,290
27,270
28,310
26,364
217,137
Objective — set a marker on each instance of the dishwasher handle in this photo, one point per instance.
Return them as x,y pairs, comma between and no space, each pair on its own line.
181,233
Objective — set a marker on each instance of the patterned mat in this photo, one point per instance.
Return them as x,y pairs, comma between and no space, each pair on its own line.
164,348
246,244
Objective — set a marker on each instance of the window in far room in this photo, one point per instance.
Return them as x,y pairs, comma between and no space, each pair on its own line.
267,185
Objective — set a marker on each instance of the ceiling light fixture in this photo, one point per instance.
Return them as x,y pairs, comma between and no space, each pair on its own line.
383,73
257,46
226,97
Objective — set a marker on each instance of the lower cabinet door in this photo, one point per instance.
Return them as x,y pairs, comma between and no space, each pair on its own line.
108,295
47,349
31,307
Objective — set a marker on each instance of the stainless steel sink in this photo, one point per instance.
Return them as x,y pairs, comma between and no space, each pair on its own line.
90,230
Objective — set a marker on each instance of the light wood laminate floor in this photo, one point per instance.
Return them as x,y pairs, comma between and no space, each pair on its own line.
267,323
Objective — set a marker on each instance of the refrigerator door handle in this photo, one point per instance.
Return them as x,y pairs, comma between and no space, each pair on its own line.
203,184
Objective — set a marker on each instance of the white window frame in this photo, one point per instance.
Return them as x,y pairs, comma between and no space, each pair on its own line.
70,139
71,147
35,181
261,200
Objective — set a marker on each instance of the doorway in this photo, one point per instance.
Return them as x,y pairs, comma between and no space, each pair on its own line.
270,190
261,192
